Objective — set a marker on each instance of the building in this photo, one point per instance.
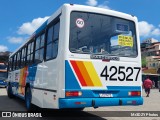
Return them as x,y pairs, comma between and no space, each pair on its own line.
150,51
150,40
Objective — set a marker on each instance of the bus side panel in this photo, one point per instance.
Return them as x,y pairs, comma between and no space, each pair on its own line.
37,97
35,79
28,75
18,81
50,85
40,78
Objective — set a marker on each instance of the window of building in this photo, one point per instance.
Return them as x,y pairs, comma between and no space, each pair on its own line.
154,65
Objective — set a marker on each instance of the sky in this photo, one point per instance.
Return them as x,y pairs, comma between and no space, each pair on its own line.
20,18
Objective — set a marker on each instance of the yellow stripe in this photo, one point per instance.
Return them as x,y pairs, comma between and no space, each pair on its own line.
84,73
92,73
20,80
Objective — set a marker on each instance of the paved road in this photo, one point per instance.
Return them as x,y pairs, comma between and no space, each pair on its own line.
151,103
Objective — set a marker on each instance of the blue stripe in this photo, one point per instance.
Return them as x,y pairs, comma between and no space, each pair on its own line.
70,79
124,87
42,27
87,102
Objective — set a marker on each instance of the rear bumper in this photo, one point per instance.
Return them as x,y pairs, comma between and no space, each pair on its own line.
98,102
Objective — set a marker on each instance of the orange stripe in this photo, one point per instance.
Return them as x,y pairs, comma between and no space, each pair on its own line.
78,73
92,73
84,73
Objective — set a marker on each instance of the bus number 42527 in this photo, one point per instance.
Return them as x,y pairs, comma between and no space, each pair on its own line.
124,73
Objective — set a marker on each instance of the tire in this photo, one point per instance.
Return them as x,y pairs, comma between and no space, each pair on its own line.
28,99
9,91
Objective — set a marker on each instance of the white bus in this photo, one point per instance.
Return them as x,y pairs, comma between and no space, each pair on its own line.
80,57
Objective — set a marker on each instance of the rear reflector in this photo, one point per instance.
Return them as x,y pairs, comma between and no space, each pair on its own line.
134,93
131,102
79,103
134,102
73,93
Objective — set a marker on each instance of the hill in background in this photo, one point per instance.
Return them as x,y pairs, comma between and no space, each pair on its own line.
4,56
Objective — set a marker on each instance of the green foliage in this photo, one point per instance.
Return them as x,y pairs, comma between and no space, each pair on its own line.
3,58
144,62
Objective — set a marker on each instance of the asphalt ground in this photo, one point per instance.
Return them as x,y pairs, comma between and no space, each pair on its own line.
150,109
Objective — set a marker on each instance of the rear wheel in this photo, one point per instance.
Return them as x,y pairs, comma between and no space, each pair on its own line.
28,99
9,91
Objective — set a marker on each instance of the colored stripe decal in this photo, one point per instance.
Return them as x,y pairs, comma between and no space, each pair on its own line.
93,74
79,75
86,73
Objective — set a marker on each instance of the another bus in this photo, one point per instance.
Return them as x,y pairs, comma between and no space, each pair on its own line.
80,57
3,74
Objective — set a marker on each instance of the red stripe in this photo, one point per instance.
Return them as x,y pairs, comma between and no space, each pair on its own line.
78,73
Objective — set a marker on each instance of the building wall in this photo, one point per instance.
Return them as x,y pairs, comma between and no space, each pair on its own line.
150,40
152,63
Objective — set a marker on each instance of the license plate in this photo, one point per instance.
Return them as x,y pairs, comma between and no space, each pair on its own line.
105,95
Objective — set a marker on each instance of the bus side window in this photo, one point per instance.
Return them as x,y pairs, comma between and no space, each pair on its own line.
23,56
36,60
52,42
18,60
10,64
30,47
39,51
15,61
31,53
28,53
16,64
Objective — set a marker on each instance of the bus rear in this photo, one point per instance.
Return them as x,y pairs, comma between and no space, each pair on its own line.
102,63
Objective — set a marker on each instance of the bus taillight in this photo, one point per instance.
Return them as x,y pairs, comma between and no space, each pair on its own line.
134,93
73,93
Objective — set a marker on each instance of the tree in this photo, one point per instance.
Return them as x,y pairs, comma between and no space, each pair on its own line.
4,56
144,62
